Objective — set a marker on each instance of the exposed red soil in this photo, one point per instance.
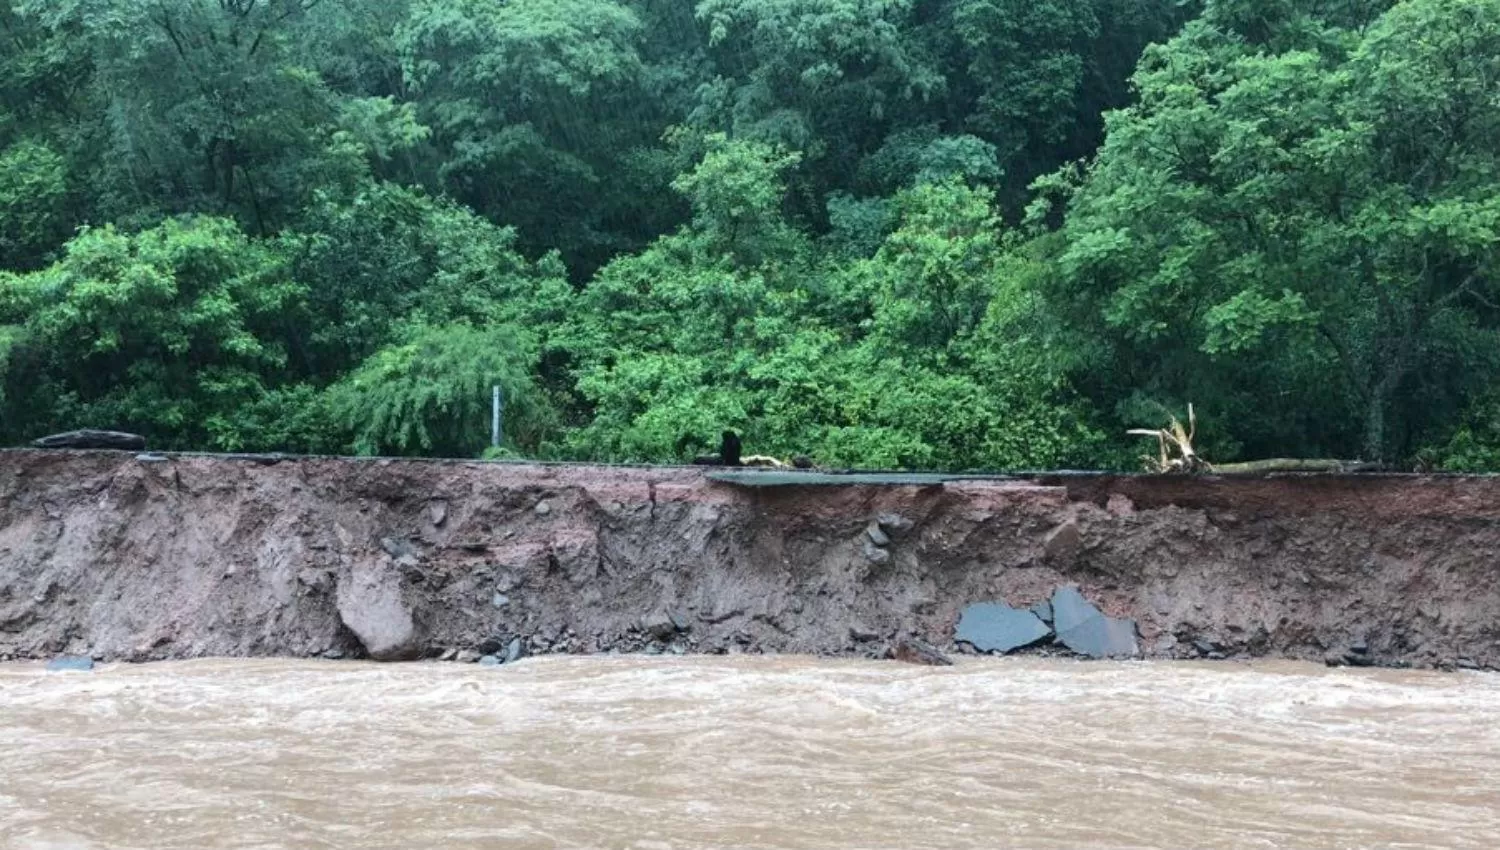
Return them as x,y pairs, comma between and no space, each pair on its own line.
106,554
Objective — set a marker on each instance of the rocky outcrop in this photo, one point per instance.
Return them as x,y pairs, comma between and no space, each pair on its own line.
118,556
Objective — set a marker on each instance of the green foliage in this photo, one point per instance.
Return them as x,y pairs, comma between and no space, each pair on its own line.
322,226
431,393
683,340
1291,239
156,332
33,203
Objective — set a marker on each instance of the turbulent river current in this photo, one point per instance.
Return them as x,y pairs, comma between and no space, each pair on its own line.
746,752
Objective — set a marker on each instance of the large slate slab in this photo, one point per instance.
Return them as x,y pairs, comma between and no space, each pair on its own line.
89,439
1084,629
71,662
996,627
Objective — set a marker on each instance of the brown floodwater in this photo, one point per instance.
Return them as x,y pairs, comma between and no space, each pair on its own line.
746,752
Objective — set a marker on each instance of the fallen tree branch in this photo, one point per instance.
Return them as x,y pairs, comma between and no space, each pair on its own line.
1284,464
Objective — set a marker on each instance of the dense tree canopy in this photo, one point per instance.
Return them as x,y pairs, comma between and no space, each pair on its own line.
955,234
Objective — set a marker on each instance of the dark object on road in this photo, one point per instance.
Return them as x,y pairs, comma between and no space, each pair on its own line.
729,452
87,439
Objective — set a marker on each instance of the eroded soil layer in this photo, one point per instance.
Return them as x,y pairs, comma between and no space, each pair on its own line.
122,556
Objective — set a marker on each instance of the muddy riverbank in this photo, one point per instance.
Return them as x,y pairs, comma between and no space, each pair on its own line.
141,557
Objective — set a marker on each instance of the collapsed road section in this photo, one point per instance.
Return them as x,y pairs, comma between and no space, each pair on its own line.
117,555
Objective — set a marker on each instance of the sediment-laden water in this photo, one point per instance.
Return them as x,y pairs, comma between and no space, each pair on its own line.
637,752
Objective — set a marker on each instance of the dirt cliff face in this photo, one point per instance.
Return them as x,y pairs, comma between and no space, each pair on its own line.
119,556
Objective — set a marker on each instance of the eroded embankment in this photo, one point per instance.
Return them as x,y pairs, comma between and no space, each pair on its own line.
116,556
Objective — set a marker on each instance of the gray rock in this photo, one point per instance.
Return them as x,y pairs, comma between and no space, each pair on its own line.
499,600
438,512
894,525
1062,543
397,547
372,605
1084,629
516,651
71,662
543,508
151,458
91,439
466,656
878,537
489,661
876,555
1359,647
449,654
659,624
1043,611
1205,646
913,651
996,627
860,633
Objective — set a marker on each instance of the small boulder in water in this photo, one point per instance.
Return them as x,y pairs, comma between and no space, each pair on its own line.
913,651
71,662
995,627
489,661
515,651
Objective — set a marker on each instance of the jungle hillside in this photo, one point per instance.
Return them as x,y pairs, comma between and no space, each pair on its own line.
940,234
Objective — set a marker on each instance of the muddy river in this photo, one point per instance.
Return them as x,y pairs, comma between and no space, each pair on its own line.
747,753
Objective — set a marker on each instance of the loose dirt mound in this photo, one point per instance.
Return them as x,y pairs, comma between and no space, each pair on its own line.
108,554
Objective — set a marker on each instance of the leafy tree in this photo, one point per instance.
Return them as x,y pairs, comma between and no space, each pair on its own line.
431,393
155,332
1292,239
33,203
530,105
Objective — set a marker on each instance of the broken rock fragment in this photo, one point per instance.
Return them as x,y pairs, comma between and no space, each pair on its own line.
894,524
371,604
1084,629
1063,542
996,627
